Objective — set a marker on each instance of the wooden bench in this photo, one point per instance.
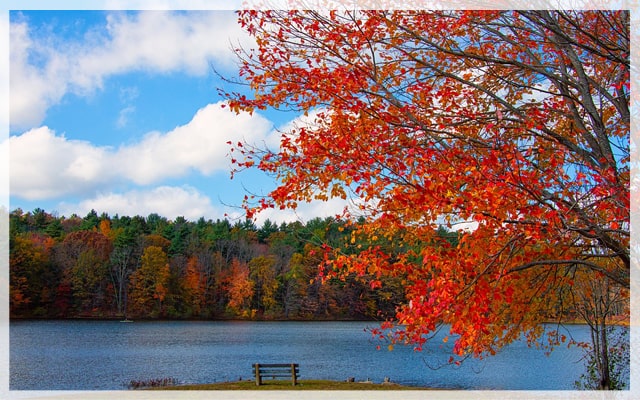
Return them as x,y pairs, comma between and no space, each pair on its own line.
274,371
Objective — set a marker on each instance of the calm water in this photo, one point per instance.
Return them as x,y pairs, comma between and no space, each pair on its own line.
96,355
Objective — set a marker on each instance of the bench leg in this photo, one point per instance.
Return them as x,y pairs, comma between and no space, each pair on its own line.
258,377
294,376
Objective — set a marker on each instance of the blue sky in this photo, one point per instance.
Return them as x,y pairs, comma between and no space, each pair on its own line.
118,111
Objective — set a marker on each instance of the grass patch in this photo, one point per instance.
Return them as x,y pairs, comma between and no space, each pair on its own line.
304,384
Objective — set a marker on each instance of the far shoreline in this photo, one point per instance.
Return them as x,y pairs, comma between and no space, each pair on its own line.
120,318
232,319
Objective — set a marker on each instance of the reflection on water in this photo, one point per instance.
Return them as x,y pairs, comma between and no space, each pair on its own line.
97,355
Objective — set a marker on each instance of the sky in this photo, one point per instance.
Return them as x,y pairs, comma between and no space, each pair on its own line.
119,112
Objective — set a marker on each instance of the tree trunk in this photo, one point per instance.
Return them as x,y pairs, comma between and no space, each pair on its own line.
605,379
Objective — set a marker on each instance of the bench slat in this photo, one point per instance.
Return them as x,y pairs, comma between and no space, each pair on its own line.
268,372
275,370
276,365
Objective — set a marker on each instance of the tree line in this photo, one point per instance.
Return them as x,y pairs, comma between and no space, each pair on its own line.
101,266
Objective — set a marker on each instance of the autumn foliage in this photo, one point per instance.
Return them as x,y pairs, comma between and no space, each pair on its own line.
151,267
512,124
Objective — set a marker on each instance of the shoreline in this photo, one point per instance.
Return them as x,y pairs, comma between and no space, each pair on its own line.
615,322
303,384
130,319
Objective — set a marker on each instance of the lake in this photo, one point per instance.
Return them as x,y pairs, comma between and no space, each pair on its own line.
107,355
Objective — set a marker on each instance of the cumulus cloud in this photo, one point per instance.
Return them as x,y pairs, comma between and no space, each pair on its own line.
4,73
45,165
43,71
305,211
199,145
33,89
190,203
4,174
168,201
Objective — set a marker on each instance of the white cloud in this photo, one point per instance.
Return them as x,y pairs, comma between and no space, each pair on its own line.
4,176
4,117
44,165
152,41
306,211
168,201
4,70
291,129
160,41
200,145
32,89
123,116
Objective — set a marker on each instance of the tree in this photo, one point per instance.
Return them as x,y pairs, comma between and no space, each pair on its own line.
83,257
40,219
54,229
295,282
157,241
513,123
598,302
155,223
266,230
90,221
89,277
202,275
30,275
79,241
194,284
178,231
149,283
121,265
263,275
240,289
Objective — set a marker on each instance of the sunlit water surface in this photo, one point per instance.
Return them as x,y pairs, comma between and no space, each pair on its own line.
97,355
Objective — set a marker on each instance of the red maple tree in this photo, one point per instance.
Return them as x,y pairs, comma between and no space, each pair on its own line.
513,123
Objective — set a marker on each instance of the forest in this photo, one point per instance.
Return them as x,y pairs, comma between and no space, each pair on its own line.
102,266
